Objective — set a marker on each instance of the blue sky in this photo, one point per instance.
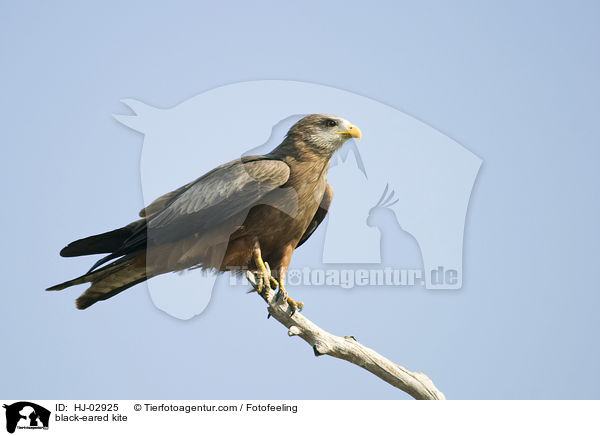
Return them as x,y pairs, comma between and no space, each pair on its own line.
514,82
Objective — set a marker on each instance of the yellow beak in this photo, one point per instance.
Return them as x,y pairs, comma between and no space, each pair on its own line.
353,132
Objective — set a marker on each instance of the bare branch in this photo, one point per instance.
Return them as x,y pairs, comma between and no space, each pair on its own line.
416,384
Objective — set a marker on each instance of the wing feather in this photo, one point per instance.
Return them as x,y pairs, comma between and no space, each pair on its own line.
162,202
320,215
215,197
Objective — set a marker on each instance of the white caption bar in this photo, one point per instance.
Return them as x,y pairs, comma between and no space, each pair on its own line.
249,417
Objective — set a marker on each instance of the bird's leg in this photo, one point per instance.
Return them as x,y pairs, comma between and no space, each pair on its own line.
265,282
282,294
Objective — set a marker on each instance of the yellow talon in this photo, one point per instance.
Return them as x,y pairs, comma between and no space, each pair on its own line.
265,283
283,295
264,280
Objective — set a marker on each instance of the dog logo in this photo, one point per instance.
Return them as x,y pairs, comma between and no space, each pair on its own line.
26,415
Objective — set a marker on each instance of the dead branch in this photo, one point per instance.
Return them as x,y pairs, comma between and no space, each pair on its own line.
416,384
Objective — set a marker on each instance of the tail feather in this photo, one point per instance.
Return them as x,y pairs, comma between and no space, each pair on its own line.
109,280
90,296
107,242
76,281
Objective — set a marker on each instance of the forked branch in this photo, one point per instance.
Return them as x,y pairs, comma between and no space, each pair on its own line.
416,384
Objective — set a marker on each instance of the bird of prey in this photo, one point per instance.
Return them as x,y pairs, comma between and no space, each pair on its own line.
237,217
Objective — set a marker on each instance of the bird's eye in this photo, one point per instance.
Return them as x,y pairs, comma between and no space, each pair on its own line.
331,123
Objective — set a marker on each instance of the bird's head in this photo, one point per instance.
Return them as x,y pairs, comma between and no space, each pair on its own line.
327,133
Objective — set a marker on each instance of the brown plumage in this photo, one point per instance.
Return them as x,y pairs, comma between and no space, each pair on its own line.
271,203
